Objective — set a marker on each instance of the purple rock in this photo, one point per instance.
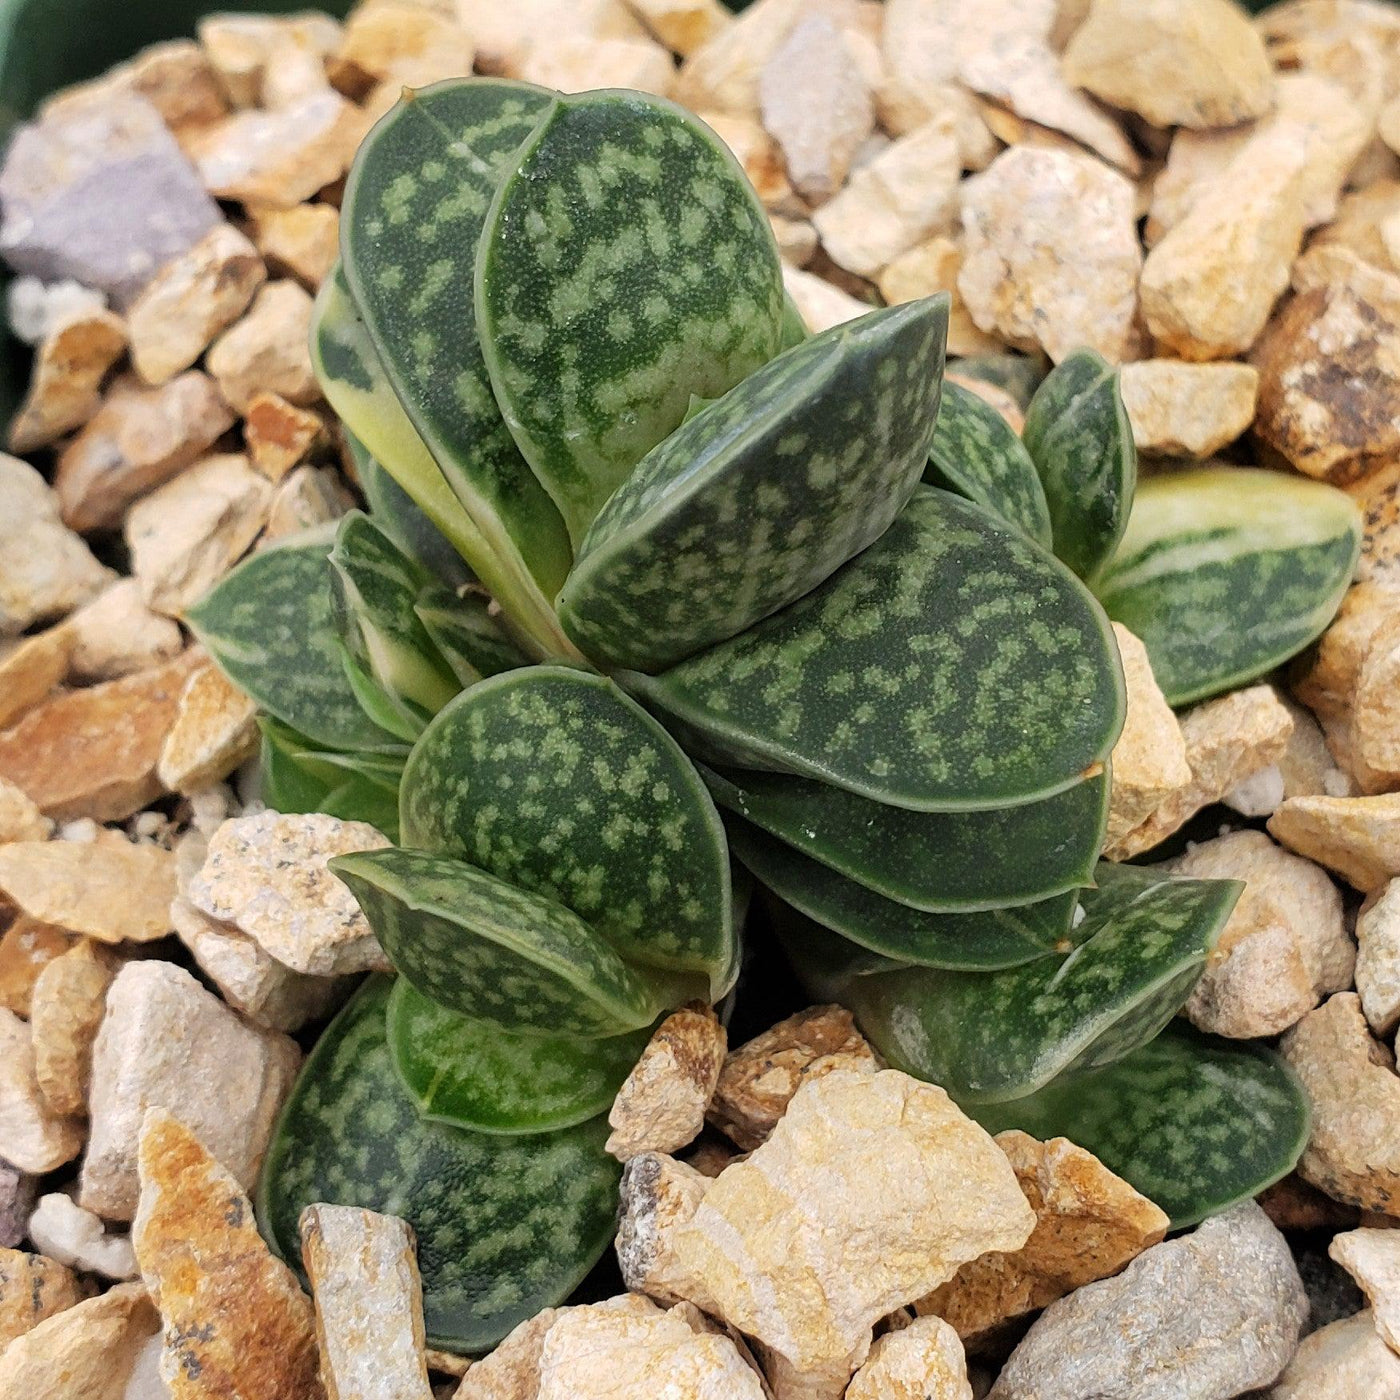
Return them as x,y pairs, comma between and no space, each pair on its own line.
17,1192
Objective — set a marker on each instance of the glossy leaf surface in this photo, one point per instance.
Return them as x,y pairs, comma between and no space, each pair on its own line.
1227,572
505,1226
762,494
626,264
954,665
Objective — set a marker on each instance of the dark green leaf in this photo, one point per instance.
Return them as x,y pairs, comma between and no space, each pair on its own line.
466,628
1225,573
986,1037
625,265
505,1226
1079,437
756,499
475,1075
496,953
299,776
954,665
794,327
1019,375
1192,1122
976,454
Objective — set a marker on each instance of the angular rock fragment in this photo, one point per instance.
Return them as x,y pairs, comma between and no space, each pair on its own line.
280,435
1372,1258
1346,1360
70,997
1188,410
395,41
303,242
65,386
1358,837
116,634
242,48
682,25
267,349
659,1195
1378,959
215,729
17,1193
820,305
20,817
926,269
923,1361
74,1236
569,63
32,1288
36,1139
309,496
26,947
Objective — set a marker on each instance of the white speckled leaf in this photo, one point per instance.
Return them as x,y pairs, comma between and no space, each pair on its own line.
466,628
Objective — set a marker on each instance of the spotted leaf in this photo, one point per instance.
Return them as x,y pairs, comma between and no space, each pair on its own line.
1226,572
954,665
976,454
1127,967
505,1226
475,1075
626,264
937,861
762,494
466,628
1077,433
1018,375
478,945
554,780
299,776
1192,1122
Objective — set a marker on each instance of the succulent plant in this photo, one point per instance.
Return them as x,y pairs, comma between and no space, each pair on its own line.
651,582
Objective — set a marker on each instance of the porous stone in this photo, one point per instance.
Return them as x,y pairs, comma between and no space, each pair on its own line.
661,1104
1089,1225
1210,1315
303,242
190,300
1371,747
32,1288
36,1139
26,947
512,1369
1358,837
1372,1258
722,74
923,1361
1032,221
1182,409
74,1236
70,996
1326,677
31,668
235,1319
215,729
395,41
241,47
267,349
17,1193
926,269
363,1269
279,435
1306,769
658,1196
1346,1360
820,304
1361,217
309,496
1353,1153
165,1041
1285,946
99,191
139,438
1378,959
65,387
570,63
758,1080
266,874
116,634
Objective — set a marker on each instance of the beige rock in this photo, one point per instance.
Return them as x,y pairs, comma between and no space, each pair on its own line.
571,63
395,41
215,729
1227,740
758,153
1353,1153
74,1236
661,1105
1358,837
1307,769
26,947
45,569
30,670
70,997
1032,221
139,438
236,1321
86,1352
682,25
363,1269
722,74
190,300
187,534
659,1195
1188,410
32,1288
116,634
1195,63
817,105
820,304
505,34
796,238
1326,678
1378,959
20,817
112,891
758,1080
167,1042
1330,266
69,368
240,47
1089,1225
1372,1258
1361,218
923,1361
1374,721
512,1370
1285,946
36,1139
267,349
303,242
266,874
279,435
1345,1360
309,496
928,268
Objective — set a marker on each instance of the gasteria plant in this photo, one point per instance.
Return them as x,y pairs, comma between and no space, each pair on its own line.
640,552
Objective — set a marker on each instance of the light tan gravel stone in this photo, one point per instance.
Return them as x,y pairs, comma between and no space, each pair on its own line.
1378,959
682,25
33,1287
65,387
309,496
267,349
26,947
512,1370
1358,837
722,73
279,435
303,242
1372,1258
572,64
928,268
820,304
399,42
36,1139
1181,409
29,671
20,817
658,1196
215,729
1325,678
70,998
74,1236
505,34
116,634
923,1361
1345,1360
761,159
241,46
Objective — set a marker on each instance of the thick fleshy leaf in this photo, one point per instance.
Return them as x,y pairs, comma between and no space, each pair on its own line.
400,717
271,626
976,454
761,495
379,585
625,265
978,940
1129,964
954,665
505,1226
939,861
1081,442
794,330
554,780
299,776
1192,1122
1227,572
466,629
1019,375
476,1075
496,953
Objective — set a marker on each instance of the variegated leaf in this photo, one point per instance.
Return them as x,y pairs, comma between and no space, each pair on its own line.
1079,437
976,454
1018,375
625,265
466,628
492,951
1192,1122
1226,572
954,665
554,780
299,776
475,1075
399,716
505,1226
761,495
1128,966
